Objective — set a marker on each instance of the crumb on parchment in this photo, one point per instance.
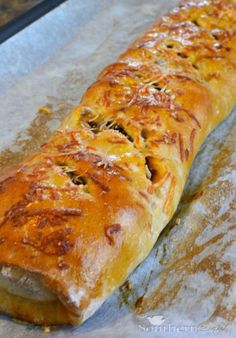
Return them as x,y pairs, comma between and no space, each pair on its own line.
45,110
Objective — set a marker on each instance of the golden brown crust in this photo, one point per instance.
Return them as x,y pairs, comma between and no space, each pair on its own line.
88,207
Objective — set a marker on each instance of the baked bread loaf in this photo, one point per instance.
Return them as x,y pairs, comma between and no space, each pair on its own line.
77,217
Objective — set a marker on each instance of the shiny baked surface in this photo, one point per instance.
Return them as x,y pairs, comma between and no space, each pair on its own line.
85,210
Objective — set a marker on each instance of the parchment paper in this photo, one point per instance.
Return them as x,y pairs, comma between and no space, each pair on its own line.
187,285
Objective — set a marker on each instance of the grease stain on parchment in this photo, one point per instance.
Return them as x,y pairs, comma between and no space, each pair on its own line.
41,128
213,232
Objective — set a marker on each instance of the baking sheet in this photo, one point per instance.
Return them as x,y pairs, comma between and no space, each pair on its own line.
188,290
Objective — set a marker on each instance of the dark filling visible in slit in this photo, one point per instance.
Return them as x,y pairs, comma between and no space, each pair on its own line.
110,125
76,179
153,171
